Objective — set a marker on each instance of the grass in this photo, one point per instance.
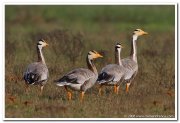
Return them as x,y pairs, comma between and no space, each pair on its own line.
80,29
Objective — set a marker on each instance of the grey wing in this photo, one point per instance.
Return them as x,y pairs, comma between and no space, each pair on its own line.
131,68
76,76
35,73
110,73
85,85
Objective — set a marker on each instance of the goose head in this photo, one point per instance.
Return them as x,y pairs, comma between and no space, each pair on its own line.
42,43
94,55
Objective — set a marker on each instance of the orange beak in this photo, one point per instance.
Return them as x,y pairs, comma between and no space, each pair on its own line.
144,33
99,55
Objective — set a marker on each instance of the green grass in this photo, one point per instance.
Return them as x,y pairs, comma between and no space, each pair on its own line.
99,28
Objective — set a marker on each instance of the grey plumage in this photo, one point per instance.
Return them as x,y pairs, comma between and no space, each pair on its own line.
131,68
80,79
37,72
112,74
77,78
130,63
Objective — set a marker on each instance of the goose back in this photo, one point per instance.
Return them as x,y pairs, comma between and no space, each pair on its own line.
36,73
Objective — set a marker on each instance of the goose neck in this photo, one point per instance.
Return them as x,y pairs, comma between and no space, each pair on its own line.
118,57
91,65
40,55
134,48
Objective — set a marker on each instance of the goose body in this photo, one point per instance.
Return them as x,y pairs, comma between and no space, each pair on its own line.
131,68
80,79
37,72
112,74
130,63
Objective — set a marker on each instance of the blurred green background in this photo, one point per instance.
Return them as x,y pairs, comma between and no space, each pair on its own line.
73,30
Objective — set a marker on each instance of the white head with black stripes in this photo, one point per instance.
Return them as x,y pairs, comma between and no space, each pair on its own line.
118,47
42,43
93,55
138,32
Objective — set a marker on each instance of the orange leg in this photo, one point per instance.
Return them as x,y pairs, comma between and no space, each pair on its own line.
69,94
82,95
117,92
100,90
127,87
115,89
